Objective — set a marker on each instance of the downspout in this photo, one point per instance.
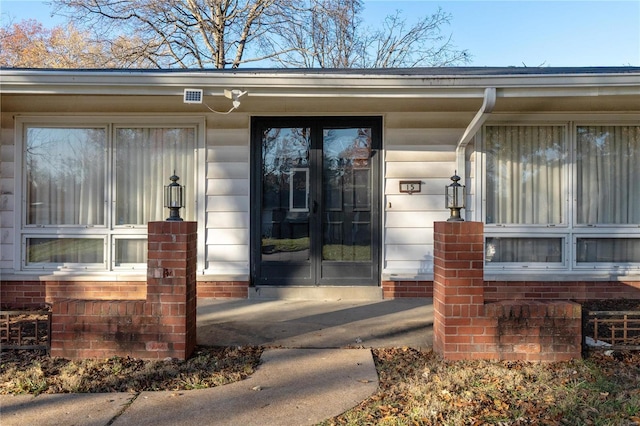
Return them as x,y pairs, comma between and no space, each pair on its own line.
481,116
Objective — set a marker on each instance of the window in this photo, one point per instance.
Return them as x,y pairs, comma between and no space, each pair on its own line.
144,160
524,174
55,250
608,175
91,190
524,250
546,208
129,251
608,250
65,175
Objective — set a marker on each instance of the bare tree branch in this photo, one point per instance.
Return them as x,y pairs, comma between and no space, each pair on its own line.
288,33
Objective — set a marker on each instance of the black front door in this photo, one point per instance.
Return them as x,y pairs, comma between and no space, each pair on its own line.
315,201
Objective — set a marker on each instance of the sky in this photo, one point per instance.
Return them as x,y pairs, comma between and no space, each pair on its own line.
496,33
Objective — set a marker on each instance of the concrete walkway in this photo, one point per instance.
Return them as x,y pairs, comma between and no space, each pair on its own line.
304,378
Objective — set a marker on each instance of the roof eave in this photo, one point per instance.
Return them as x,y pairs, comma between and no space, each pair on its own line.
317,84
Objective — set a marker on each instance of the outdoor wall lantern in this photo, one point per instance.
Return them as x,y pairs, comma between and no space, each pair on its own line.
174,198
455,196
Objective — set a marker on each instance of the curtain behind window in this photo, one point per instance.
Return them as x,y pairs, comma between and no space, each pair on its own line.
65,170
145,158
524,174
608,174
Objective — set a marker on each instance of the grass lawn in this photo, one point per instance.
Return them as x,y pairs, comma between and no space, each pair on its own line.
418,388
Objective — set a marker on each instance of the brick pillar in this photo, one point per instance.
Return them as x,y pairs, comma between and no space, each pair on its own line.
458,293
171,287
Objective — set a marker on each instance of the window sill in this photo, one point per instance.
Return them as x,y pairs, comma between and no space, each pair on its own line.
560,276
407,276
222,277
101,276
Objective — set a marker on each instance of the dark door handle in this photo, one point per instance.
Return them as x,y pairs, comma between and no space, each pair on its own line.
315,207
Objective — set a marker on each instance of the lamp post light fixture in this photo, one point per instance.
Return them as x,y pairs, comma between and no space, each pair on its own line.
174,198
455,196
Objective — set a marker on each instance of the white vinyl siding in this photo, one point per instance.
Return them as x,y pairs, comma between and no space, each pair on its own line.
7,193
425,155
227,209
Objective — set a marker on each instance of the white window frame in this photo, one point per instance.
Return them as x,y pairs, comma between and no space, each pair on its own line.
570,230
108,231
125,266
599,266
558,230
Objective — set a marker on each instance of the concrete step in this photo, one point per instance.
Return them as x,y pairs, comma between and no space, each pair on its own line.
316,293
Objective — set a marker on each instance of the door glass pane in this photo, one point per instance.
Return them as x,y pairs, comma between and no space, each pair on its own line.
346,215
285,194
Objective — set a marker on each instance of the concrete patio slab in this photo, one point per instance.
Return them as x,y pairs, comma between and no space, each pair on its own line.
316,324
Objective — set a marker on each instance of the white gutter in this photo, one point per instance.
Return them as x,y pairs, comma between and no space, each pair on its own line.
317,84
481,116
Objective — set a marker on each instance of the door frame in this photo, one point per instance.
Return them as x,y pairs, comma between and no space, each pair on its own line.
316,124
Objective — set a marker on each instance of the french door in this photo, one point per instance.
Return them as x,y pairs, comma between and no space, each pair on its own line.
315,201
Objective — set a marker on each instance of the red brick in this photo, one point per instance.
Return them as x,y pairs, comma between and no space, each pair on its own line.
471,330
528,348
483,339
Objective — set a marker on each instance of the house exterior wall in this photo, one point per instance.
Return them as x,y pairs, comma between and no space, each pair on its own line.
425,154
411,152
578,290
416,146
7,195
420,135
227,200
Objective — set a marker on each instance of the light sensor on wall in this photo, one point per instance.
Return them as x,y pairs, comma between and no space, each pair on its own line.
195,96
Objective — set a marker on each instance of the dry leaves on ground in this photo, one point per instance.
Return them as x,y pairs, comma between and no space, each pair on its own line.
418,388
32,372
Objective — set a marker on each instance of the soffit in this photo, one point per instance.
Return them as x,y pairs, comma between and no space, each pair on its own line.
62,104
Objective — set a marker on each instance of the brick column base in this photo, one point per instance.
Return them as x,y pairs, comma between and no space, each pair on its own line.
163,325
535,331
465,328
458,295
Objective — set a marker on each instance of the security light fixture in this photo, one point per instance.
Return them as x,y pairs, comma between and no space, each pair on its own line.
195,96
234,95
174,198
455,195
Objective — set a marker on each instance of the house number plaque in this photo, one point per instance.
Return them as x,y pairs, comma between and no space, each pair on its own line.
410,186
